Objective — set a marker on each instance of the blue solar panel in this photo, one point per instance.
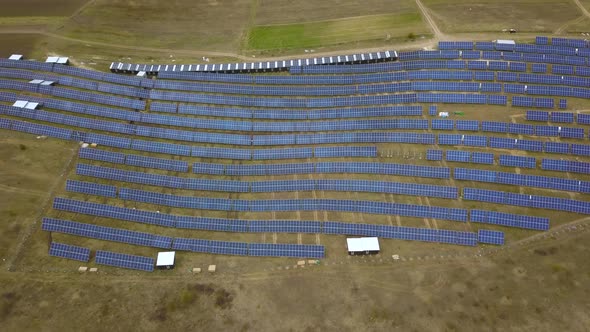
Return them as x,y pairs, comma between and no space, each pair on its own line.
286,250
537,116
490,237
458,156
510,220
434,154
562,104
124,261
562,117
518,161
468,125
540,40
583,118
556,147
496,127
442,124
69,251
157,163
346,151
539,68
91,188
581,150
482,158
102,155
105,233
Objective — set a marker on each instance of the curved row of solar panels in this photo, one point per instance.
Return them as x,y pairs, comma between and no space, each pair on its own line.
222,204
256,66
168,181
165,242
265,226
244,154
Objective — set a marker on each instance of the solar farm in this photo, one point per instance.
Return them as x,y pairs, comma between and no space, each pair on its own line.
469,161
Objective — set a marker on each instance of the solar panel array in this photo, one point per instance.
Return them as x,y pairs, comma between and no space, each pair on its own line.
220,204
324,167
509,220
125,261
68,251
147,264
490,237
522,180
518,161
534,201
571,166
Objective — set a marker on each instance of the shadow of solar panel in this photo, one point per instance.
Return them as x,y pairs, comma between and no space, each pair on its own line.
69,251
125,261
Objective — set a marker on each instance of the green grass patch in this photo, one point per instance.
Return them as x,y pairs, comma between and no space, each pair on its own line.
334,32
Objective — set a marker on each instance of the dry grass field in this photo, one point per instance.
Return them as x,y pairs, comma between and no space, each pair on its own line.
493,16
538,281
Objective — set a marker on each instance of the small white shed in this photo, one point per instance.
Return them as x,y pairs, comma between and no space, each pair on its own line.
363,245
165,260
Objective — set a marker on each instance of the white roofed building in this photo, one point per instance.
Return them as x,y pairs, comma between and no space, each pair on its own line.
362,245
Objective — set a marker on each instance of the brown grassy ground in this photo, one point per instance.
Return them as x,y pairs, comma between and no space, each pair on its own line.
485,15
40,7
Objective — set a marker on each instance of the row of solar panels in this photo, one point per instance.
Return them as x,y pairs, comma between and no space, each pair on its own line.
533,201
263,102
295,139
512,128
256,66
335,90
265,169
73,71
386,72
561,117
257,226
522,180
481,158
246,154
68,93
266,226
233,225
261,186
556,48
109,258
259,205
335,167
98,86
165,242
336,113
566,42
490,60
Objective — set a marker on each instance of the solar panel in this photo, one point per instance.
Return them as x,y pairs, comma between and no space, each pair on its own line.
434,154
490,237
69,251
91,188
510,220
518,161
124,261
286,250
